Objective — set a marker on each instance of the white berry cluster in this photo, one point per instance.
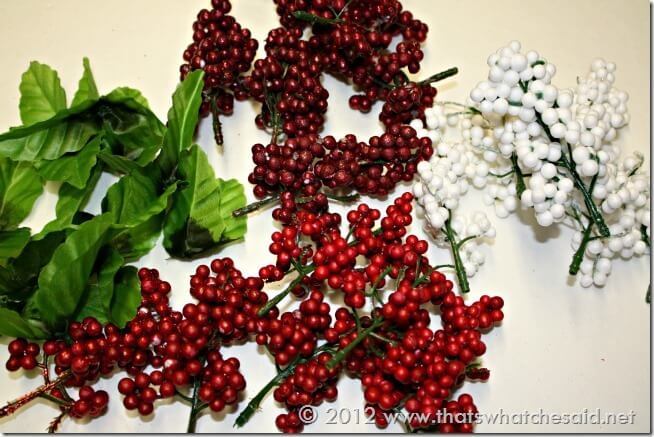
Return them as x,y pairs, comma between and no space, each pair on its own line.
625,197
443,180
535,146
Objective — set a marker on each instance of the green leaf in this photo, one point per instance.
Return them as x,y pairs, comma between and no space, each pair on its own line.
135,133
135,202
12,244
199,217
41,94
138,241
18,279
116,163
50,139
129,96
20,186
96,300
71,201
135,198
72,168
127,296
87,90
13,324
232,197
63,280
182,120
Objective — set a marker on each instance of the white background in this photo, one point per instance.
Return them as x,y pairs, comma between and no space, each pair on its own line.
561,348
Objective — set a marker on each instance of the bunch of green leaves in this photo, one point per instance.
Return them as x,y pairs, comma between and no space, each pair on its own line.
76,266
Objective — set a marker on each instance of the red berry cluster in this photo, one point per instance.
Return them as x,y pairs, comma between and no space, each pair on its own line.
91,403
224,50
22,355
406,103
400,360
310,384
303,165
221,382
355,37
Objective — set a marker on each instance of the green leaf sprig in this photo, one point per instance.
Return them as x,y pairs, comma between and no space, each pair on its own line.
76,266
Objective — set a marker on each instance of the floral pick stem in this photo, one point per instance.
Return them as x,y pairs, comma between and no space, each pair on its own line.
340,355
11,407
253,405
217,125
440,76
196,405
278,298
519,177
461,275
579,254
315,19
255,206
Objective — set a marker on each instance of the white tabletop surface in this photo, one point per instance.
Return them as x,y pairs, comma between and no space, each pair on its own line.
561,348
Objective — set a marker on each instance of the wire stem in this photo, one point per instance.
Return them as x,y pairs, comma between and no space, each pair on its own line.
255,206
440,76
13,406
579,254
461,275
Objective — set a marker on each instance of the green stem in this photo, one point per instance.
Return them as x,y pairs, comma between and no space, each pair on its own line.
278,298
460,105
315,19
255,206
465,240
643,235
196,406
375,285
217,126
595,215
579,254
57,401
254,404
346,199
503,175
461,275
520,180
440,76
341,354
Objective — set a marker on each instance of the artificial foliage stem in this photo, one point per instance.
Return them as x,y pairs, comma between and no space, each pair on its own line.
440,76
579,254
595,215
461,275
341,354
254,403
255,206
278,298
519,177
196,406
315,19
217,125
593,212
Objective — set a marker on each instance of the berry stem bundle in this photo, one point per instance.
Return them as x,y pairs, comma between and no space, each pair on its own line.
461,275
255,402
579,254
196,406
341,354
